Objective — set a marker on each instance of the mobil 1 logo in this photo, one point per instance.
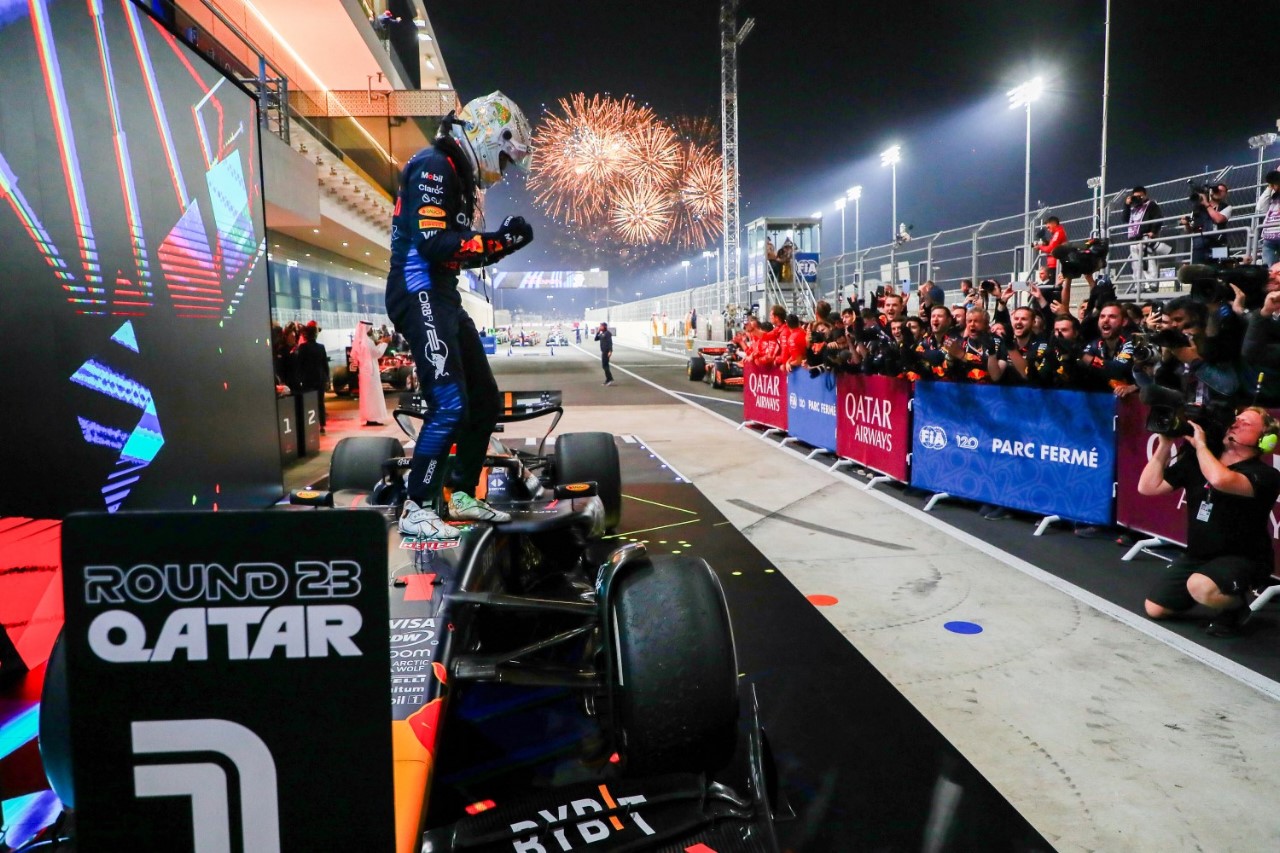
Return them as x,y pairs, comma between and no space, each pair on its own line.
227,680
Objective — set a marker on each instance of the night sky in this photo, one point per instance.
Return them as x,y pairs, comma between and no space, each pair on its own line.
824,87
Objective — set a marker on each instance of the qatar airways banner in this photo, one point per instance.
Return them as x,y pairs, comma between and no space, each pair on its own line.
764,395
1047,452
873,425
811,408
1164,516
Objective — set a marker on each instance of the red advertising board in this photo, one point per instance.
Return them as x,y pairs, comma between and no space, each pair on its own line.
764,395
1162,516
873,422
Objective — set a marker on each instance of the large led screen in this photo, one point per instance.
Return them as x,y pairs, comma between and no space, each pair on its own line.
133,289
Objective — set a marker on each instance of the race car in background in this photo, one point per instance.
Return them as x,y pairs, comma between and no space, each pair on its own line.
719,366
556,338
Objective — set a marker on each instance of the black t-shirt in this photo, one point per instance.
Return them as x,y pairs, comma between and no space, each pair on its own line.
1219,524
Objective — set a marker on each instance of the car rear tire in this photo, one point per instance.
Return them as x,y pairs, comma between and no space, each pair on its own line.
717,377
675,677
592,456
697,368
55,725
357,462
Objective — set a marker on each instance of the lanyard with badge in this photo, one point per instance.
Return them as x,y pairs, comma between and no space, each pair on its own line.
1206,506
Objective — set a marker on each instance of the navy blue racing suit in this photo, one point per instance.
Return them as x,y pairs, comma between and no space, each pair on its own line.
432,238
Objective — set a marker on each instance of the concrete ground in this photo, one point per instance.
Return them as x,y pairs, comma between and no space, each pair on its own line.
1104,736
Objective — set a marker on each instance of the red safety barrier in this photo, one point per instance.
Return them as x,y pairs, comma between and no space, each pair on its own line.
1162,516
873,422
764,396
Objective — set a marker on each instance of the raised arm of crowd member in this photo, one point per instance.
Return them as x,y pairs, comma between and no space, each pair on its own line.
1262,338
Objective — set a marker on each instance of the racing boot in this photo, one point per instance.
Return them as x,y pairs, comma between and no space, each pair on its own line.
463,507
422,523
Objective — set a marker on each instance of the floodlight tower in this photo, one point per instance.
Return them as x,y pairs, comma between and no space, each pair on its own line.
730,37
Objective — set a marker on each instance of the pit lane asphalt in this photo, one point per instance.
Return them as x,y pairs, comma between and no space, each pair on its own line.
1091,564
1098,728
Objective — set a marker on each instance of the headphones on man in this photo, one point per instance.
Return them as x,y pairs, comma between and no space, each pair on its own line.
1270,438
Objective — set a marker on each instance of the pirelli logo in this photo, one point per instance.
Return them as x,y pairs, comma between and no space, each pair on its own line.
431,224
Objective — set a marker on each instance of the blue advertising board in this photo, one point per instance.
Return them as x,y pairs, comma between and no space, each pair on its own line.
1047,452
807,266
811,408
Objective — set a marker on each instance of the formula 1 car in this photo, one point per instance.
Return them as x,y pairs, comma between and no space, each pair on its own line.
545,602
639,646
721,366
556,338
524,339
396,370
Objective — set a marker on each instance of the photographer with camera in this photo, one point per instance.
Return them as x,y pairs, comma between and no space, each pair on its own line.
1261,348
1143,215
1210,211
1229,500
1268,207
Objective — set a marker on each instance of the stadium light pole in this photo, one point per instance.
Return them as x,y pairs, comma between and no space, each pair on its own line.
890,157
854,194
1023,96
685,264
840,207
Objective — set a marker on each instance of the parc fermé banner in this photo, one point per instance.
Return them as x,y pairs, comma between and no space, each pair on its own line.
764,395
873,426
1048,452
811,408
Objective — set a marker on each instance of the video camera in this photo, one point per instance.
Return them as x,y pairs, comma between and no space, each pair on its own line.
1199,193
1174,421
1085,259
1040,235
1146,345
1212,282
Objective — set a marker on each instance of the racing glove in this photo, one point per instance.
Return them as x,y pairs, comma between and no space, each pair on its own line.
513,234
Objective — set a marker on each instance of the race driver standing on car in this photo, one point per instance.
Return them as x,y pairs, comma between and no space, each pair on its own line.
433,236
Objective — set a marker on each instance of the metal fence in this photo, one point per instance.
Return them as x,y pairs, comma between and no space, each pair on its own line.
997,248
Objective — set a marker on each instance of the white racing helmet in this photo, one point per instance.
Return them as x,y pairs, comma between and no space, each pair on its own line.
493,132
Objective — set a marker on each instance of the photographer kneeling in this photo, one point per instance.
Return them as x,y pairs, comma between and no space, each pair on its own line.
1229,500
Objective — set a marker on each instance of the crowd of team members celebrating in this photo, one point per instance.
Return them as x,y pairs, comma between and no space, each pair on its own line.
1208,344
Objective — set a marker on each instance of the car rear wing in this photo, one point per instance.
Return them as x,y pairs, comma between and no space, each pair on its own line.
513,406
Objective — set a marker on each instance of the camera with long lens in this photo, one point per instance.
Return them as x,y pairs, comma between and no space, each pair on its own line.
1146,346
1174,420
1041,235
1198,193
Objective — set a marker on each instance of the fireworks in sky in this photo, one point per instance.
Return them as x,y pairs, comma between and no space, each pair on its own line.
623,180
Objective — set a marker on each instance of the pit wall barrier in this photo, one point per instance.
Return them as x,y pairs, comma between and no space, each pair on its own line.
1040,451
1032,449
1059,454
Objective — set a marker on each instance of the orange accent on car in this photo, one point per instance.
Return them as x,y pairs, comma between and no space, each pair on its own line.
482,806
608,801
441,674
578,487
